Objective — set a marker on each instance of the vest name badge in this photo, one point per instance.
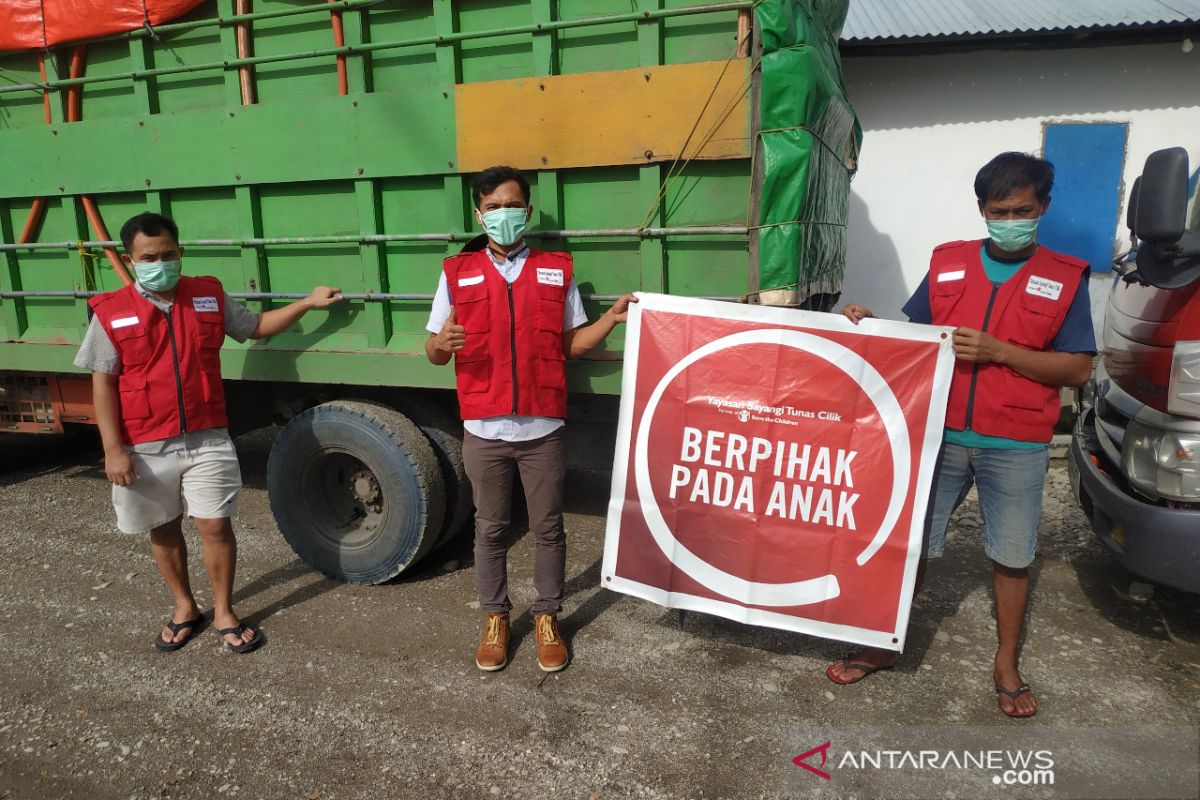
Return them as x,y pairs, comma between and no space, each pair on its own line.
205,304
552,277
1044,287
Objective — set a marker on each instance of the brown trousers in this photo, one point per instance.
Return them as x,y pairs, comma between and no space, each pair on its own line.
491,464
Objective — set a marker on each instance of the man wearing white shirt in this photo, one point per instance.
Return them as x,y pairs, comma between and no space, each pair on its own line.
510,316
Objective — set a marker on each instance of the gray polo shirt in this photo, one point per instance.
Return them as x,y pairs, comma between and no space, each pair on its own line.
98,354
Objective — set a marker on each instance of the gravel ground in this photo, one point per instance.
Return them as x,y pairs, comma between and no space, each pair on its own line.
371,692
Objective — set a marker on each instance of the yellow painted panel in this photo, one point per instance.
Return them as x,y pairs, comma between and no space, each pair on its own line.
632,116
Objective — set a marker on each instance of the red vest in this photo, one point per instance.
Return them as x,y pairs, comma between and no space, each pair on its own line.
1027,310
513,360
170,380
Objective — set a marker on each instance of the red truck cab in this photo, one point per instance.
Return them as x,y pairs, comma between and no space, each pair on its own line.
1135,455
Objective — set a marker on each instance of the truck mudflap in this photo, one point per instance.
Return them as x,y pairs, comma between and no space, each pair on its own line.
1156,542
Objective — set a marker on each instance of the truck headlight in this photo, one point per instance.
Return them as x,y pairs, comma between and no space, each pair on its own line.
1183,395
1162,463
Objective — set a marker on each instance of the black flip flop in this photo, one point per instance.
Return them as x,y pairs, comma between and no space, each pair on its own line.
236,630
866,669
1014,694
193,626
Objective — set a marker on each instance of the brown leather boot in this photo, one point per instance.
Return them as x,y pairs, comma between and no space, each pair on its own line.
493,648
551,649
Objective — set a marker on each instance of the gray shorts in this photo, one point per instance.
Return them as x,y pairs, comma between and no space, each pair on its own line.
201,481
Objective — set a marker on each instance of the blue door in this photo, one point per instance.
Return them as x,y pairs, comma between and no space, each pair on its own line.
1089,161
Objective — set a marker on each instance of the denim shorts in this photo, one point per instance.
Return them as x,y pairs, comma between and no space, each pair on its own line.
1010,486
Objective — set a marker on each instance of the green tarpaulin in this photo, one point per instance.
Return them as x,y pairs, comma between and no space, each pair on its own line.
806,152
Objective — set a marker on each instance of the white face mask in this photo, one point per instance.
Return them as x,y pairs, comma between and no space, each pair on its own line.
505,226
158,276
1012,235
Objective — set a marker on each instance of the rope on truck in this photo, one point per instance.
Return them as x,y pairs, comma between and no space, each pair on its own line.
89,282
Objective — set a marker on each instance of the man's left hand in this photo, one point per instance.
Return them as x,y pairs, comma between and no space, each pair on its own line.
620,308
324,296
973,345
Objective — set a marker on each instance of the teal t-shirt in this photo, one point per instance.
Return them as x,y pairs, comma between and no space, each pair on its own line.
997,272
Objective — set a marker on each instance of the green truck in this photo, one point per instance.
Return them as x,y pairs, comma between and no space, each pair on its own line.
698,149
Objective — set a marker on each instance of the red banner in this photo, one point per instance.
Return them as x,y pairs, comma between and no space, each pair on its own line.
773,466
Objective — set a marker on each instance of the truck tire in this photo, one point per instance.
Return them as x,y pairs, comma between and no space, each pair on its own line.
356,490
444,431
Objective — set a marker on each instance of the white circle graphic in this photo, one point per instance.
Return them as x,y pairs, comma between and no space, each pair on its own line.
813,590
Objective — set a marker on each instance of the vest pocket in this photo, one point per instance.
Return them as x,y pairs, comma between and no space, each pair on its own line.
135,400
1026,393
472,364
210,330
552,359
1035,326
213,387
550,308
472,372
554,373
471,308
132,344
944,297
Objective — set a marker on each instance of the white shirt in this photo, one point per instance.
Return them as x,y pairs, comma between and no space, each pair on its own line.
511,427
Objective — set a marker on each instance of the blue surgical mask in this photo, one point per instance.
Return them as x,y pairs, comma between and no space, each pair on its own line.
158,276
1012,235
505,226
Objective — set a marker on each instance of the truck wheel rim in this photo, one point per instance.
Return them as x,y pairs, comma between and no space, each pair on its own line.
345,500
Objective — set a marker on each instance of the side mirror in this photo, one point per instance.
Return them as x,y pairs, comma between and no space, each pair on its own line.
1131,210
1169,254
1162,197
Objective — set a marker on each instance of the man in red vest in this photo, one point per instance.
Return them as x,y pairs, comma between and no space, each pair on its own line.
154,351
510,316
1022,329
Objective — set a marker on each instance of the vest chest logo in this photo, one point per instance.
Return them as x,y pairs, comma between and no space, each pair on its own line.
205,304
951,275
551,277
1044,287
470,280
124,322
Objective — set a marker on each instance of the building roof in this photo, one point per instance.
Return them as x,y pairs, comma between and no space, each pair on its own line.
894,21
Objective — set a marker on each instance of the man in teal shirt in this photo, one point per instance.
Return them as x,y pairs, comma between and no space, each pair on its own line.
1013,192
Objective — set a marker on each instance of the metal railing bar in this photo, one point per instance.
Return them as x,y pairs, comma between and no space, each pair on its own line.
384,238
376,297
233,63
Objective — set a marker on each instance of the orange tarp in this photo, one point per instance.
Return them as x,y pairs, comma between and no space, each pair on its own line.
23,27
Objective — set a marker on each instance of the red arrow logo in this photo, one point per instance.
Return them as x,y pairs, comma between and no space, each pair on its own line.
823,749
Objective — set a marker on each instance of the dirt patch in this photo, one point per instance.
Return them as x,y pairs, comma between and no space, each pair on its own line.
371,692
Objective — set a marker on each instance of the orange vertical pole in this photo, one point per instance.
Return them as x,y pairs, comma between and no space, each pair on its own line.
38,209
339,40
75,114
743,33
41,62
246,71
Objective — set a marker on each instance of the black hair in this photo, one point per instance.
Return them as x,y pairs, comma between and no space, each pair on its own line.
487,181
1010,172
150,224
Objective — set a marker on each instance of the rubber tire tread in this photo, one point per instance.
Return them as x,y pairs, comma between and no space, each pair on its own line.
412,449
445,432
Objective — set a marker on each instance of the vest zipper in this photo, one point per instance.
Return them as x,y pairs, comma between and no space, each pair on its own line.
178,380
512,341
987,316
